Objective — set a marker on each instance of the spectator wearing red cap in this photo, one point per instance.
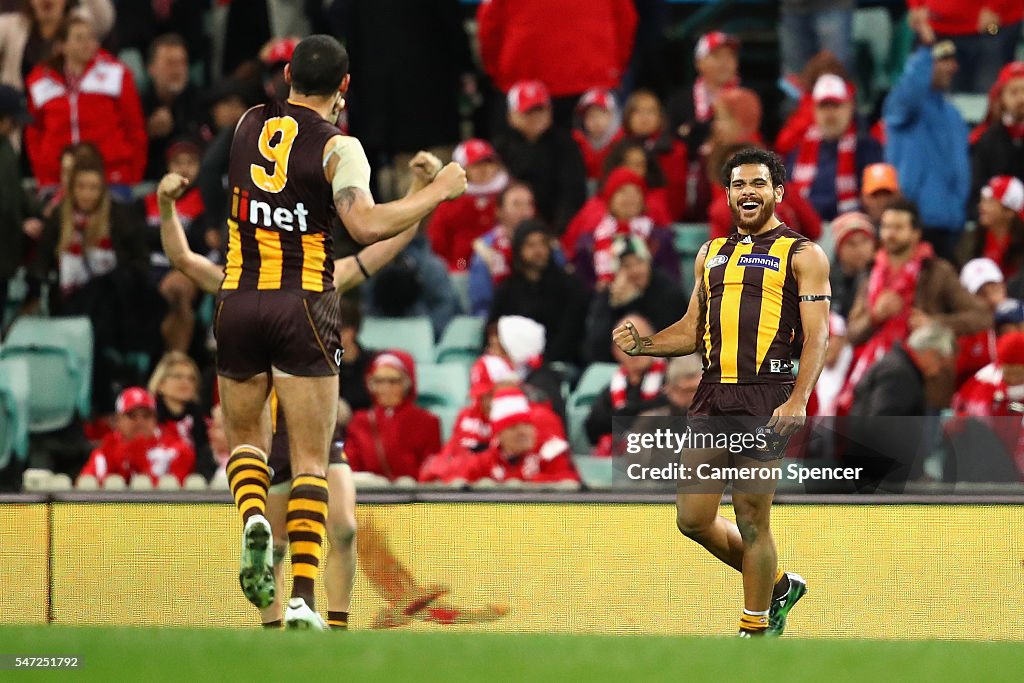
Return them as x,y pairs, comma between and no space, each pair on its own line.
644,120
691,108
827,165
525,447
456,224
997,146
178,291
995,391
985,35
598,127
808,27
853,235
623,193
491,262
1000,232
879,187
84,94
395,436
138,445
170,103
984,280
582,44
545,157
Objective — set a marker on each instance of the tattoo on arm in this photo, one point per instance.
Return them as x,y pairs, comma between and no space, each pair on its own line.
345,198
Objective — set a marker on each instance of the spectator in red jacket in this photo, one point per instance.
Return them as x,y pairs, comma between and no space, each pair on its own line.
84,94
632,155
138,445
526,447
985,35
599,127
395,436
455,224
994,397
644,120
578,45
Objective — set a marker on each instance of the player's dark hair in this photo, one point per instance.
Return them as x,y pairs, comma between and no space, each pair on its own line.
318,65
907,206
754,155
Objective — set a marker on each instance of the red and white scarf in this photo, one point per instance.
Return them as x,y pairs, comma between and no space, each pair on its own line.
650,385
605,233
882,279
703,101
806,167
501,267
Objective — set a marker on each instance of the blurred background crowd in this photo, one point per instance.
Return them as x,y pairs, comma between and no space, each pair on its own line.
592,133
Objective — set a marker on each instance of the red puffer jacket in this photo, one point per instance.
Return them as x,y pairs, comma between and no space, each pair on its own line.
527,39
102,108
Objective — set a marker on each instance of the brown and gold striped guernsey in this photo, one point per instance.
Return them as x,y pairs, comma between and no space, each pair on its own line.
282,208
751,311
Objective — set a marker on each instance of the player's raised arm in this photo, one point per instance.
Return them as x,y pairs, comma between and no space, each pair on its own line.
679,338
348,171
810,268
201,270
353,270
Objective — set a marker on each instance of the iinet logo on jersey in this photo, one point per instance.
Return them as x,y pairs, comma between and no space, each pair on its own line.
260,213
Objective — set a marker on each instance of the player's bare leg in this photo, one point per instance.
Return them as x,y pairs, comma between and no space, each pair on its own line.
760,559
244,403
340,569
697,513
310,430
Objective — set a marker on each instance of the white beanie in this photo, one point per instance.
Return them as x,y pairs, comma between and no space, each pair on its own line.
522,338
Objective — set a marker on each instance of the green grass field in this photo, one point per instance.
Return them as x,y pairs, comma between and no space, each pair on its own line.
197,655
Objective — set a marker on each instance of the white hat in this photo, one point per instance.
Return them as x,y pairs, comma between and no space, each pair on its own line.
831,88
979,272
522,338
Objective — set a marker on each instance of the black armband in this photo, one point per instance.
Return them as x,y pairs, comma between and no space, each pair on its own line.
816,297
362,268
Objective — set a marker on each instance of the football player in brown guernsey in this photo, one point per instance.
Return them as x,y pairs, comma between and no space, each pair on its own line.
756,294
292,177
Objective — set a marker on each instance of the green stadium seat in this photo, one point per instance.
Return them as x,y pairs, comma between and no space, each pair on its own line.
460,282
595,378
689,237
14,410
462,340
55,375
447,415
596,473
73,334
415,335
442,384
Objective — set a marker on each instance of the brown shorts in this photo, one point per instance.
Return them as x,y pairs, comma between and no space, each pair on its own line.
733,410
293,331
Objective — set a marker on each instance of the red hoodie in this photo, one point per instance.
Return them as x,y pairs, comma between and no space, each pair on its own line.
393,442
960,17
165,452
456,224
102,108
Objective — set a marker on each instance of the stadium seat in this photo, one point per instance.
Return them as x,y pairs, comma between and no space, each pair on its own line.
447,415
442,384
60,356
34,479
141,482
114,482
404,483
194,482
87,482
369,480
596,473
462,340
168,482
689,237
59,482
415,335
595,378
14,407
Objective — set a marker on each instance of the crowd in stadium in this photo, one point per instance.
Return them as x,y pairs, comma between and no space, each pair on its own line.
590,192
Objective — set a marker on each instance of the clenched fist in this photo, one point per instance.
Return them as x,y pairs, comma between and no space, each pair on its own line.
172,186
451,179
628,339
